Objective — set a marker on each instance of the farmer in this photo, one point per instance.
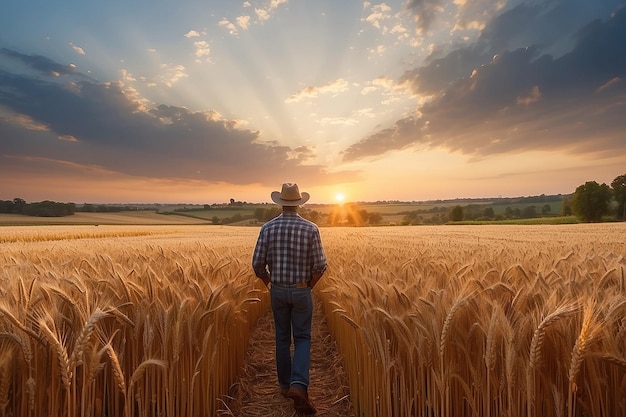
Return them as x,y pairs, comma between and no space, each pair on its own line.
290,260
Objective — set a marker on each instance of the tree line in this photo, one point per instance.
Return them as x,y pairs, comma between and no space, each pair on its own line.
591,202
49,208
40,209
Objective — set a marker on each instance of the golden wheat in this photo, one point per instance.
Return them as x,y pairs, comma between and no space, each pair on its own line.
502,320
124,322
431,321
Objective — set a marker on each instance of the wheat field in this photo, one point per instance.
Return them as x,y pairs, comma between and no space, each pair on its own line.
481,321
431,321
123,321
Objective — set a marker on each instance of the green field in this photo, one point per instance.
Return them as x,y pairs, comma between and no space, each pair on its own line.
120,218
391,213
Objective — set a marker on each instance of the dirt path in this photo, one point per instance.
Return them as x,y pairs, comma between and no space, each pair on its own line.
256,393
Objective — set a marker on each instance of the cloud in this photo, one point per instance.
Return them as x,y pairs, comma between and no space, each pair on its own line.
334,87
337,121
275,3
519,99
192,34
265,14
90,123
440,73
39,63
169,75
202,49
425,12
174,73
243,22
547,26
378,50
262,14
389,23
474,15
398,29
532,97
232,29
77,49
387,87
377,14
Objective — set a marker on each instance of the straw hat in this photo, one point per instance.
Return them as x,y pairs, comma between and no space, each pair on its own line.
290,195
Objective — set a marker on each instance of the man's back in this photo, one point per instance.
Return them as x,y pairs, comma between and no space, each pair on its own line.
291,248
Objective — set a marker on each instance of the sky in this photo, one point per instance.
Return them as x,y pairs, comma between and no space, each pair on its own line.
194,101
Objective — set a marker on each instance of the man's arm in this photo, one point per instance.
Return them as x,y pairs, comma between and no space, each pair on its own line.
319,260
259,261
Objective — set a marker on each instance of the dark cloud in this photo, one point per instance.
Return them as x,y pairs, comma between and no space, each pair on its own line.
101,124
39,63
425,11
521,99
548,26
441,72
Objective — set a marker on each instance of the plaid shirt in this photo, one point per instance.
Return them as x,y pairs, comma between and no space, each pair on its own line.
289,250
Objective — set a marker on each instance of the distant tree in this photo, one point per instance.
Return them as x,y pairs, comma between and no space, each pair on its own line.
472,211
619,194
529,212
259,214
566,207
375,218
334,217
354,215
271,212
362,216
512,213
488,213
314,216
18,205
264,214
591,201
49,209
215,220
456,214
6,206
546,209
410,218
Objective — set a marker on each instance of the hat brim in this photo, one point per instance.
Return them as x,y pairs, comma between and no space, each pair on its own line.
304,197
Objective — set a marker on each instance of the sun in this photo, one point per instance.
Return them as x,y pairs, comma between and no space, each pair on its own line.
340,198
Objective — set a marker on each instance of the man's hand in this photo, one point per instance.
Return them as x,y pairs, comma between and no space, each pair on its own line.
314,279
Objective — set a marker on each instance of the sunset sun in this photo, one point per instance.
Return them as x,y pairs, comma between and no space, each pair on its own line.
339,197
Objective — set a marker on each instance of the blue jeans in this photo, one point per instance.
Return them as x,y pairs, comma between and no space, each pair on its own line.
293,312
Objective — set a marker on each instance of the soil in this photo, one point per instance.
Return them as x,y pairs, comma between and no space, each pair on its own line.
256,393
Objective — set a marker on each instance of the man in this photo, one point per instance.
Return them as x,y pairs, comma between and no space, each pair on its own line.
289,258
